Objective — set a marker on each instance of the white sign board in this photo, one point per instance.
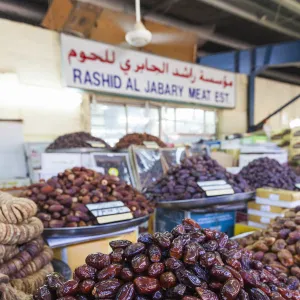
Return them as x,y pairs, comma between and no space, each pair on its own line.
100,67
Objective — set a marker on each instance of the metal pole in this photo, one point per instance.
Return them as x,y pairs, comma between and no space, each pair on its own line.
250,17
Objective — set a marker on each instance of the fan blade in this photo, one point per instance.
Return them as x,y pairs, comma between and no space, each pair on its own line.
176,38
169,38
125,45
125,22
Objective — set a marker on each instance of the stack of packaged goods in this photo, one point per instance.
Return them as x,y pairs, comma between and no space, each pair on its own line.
278,245
295,146
25,259
269,204
282,138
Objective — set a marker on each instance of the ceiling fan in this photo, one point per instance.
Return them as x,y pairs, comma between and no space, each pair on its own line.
138,36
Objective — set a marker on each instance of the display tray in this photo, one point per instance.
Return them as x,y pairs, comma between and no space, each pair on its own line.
242,235
92,230
204,202
78,150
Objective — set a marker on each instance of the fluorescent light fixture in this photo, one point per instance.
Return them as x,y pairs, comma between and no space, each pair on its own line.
12,93
295,123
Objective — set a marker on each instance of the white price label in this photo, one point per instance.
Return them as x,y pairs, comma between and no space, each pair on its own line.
216,188
274,197
151,145
104,205
265,208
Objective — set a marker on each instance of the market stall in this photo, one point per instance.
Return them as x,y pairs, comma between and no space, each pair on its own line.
137,175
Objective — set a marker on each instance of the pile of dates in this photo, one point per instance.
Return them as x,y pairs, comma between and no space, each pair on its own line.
180,182
266,172
278,245
188,263
77,140
62,199
138,139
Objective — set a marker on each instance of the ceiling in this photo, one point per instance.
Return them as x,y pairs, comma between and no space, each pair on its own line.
238,24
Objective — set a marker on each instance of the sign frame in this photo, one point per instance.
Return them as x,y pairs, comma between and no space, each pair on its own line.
99,67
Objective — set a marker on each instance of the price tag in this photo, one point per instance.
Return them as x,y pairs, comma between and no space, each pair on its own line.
113,171
297,185
109,212
211,183
265,208
274,197
114,218
151,145
216,188
265,220
104,205
96,144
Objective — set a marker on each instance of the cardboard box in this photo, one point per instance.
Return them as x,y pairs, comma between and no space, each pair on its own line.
11,183
259,220
264,214
295,132
257,225
254,139
267,209
277,197
294,141
294,153
224,159
240,228
58,162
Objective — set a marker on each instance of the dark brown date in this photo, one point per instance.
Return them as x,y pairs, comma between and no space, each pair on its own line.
126,292
98,260
106,289
146,285
181,265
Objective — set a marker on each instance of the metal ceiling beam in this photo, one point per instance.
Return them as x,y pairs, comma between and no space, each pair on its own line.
281,76
268,13
28,12
202,33
118,5
225,6
291,5
283,54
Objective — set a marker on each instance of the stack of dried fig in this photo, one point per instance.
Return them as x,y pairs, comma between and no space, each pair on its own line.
181,181
188,263
62,199
24,257
138,139
77,140
278,245
267,172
